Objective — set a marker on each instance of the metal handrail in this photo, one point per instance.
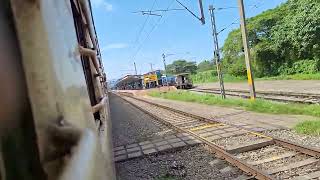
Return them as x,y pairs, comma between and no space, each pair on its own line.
87,13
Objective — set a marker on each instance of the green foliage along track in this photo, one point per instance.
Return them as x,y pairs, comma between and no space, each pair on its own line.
310,127
259,105
284,40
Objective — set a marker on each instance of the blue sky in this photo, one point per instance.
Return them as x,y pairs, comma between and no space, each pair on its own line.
123,40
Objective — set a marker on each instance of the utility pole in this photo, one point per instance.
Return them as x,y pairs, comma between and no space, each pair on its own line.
151,67
165,68
217,51
246,50
202,19
135,68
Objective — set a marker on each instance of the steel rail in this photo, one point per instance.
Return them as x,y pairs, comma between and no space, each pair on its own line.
220,152
290,145
189,114
300,97
283,93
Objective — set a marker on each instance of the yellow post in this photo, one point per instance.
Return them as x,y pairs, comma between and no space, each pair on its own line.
246,50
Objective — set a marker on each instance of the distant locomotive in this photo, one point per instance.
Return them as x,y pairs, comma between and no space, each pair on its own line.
154,79
183,81
180,81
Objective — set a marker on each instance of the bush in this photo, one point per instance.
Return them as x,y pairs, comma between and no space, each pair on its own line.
211,76
300,67
238,68
205,76
305,66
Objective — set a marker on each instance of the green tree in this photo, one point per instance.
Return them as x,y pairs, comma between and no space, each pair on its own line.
182,66
277,38
205,66
297,35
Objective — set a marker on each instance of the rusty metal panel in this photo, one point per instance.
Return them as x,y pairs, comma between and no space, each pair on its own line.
55,80
19,156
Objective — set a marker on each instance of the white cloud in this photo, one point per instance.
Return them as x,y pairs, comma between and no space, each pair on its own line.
102,4
115,46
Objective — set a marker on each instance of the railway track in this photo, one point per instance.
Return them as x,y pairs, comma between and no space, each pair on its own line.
308,98
260,156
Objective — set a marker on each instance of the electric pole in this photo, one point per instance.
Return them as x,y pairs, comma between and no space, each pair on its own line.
135,68
151,67
165,67
246,50
202,19
217,51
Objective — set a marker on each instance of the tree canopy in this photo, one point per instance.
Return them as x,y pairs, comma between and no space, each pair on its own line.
282,40
205,66
181,66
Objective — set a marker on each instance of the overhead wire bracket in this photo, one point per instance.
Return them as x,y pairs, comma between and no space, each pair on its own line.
152,12
202,19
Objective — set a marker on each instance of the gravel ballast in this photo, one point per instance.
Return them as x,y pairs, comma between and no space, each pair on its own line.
305,170
263,153
234,141
290,135
130,125
282,162
188,163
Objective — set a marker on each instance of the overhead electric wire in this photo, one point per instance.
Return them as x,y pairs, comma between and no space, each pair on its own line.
237,20
160,10
228,26
256,5
152,29
144,24
224,8
188,10
150,14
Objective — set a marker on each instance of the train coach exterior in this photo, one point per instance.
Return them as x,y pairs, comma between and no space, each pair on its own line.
183,81
54,109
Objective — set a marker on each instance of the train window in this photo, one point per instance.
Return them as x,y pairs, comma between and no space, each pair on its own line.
80,30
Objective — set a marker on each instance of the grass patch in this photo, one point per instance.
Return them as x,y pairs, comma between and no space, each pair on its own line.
210,76
294,77
311,127
259,105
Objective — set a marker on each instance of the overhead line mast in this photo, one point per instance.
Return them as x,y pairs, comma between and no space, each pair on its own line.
246,50
202,19
217,51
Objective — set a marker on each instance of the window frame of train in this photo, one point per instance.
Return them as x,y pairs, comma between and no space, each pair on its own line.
80,30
